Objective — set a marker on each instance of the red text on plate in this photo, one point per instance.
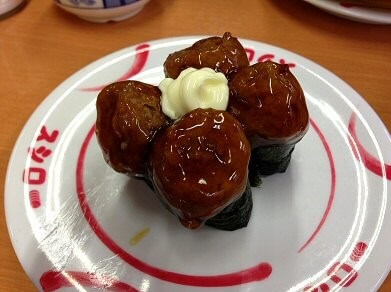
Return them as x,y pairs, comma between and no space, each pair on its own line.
39,154
341,274
44,135
35,175
251,54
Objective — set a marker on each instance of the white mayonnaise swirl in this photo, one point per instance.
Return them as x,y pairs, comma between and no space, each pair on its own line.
194,88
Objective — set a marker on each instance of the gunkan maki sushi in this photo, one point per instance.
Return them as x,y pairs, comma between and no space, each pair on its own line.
199,167
270,104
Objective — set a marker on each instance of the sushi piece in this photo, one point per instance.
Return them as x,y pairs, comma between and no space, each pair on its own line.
128,117
222,54
199,166
235,216
269,103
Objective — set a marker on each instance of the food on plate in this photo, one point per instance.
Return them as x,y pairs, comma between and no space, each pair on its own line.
222,54
199,165
269,102
191,138
128,117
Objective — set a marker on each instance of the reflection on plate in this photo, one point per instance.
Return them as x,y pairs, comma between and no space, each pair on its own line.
323,224
350,10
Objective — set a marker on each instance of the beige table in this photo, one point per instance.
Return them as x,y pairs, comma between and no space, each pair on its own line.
41,46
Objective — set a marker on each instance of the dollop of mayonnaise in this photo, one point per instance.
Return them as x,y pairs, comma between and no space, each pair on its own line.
194,88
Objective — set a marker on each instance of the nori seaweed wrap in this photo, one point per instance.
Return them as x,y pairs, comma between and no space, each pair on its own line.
268,101
236,215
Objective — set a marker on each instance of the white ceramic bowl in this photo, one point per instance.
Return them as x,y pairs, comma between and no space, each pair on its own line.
8,5
102,10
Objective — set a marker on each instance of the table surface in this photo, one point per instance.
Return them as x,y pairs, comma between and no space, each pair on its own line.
41,45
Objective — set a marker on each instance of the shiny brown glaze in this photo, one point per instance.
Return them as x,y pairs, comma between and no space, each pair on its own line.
128,117
199,165
223,54
269,102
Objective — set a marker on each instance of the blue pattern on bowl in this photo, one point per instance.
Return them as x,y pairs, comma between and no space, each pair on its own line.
116,3
96,3
85,2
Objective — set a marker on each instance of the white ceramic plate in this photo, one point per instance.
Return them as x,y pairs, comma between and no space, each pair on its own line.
324,223
347,9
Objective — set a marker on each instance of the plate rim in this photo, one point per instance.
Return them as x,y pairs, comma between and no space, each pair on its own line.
360,14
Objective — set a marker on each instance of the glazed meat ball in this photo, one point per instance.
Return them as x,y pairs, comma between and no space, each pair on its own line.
128,117
199,165
269,102
223,54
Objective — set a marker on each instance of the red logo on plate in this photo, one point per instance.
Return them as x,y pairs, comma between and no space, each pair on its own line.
342,274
